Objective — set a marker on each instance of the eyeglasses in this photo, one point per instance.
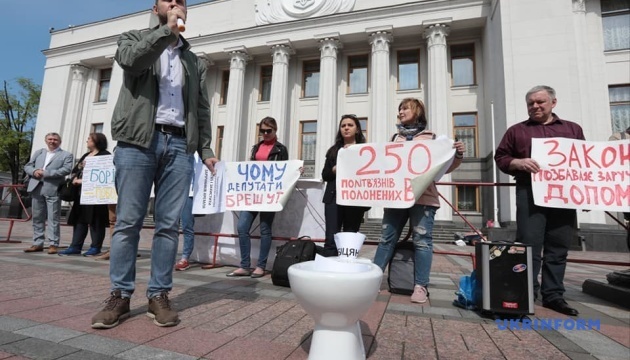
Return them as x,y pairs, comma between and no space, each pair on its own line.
266,131
351,116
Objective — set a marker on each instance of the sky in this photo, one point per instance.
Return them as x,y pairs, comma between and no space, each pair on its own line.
26,23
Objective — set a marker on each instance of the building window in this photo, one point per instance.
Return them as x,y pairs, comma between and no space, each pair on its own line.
308,140
363,122
225,83
465,130
468,198
96,128
619,107
358,74
408,70
219,142
463,64
615,22
105,75
265,83
310,85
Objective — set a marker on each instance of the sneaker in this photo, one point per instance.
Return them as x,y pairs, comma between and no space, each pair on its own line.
92,252
420,294
69,251
53,249
182,265
116,309
160,311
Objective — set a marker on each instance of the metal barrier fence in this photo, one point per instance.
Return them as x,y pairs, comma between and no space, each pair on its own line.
15,191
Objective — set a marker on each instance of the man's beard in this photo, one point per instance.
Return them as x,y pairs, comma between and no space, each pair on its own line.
163,19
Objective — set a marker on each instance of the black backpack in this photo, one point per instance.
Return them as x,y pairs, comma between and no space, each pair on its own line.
293,252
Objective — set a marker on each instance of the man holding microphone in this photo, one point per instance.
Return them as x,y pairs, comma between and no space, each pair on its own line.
161,118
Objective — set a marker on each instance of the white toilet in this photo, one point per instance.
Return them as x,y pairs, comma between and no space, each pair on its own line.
336,301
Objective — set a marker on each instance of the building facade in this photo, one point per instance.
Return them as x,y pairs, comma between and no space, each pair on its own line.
307,62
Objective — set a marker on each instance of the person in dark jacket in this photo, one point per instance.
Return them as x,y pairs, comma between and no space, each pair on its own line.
268,149
84,217
340,217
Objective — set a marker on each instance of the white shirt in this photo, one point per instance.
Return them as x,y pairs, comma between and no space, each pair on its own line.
49,156
170,110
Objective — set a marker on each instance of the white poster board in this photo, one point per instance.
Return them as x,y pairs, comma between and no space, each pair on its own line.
392,175
577,174
303,214
98,183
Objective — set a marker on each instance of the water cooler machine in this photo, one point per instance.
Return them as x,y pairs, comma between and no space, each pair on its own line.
504,278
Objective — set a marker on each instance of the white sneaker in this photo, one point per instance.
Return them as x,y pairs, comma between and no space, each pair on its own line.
420,294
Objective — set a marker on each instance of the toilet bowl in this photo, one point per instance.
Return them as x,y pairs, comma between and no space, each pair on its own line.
336,301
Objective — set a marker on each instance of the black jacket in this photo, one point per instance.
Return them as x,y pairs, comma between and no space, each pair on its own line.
278,153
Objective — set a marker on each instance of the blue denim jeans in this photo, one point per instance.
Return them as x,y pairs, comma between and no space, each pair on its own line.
394,220
167,166
245,222
188,228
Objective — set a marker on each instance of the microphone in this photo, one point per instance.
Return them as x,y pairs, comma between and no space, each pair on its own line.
181,25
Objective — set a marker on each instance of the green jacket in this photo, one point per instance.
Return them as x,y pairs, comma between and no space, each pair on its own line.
133,120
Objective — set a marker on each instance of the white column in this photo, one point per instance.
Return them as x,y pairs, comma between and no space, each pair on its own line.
327,106
281,54
74,110
583,68
382,115
439,119
234,106
438,88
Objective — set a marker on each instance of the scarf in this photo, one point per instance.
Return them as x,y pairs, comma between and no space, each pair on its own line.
410,130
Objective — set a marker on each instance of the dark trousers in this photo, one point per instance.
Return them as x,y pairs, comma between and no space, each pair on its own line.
340,217
550,231
80,231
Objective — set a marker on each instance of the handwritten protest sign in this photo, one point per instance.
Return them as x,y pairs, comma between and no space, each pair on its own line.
98,186
392,175
580,174
208,191
260,185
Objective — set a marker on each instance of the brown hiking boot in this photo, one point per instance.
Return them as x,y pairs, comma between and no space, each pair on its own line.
116,309
34,248
160,311
52,250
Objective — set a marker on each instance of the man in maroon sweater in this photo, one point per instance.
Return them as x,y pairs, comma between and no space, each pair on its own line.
548,230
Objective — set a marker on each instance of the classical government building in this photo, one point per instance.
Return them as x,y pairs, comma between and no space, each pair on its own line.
307,62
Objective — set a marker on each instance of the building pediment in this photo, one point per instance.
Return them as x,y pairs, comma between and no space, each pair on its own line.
276,11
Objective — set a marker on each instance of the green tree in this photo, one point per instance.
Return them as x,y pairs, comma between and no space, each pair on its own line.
18,110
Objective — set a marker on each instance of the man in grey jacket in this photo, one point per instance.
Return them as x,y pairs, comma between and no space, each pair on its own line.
47,170
162,116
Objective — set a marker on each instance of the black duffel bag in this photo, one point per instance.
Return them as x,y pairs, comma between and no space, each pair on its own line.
293,252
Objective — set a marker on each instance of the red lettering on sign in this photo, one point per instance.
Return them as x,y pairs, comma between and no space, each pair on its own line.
560,195
394,155
554,152
411,152
363,171
573,156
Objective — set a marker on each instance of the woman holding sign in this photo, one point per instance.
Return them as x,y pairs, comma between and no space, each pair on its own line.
412,127
268,149
82,217
340,217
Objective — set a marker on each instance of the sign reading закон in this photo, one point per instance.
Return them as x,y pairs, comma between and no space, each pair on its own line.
392,175
578,174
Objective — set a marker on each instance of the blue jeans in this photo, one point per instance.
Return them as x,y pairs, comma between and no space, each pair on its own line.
188,228
245,222
166,165
394,220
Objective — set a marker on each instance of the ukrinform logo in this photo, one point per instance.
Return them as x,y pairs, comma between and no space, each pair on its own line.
548,324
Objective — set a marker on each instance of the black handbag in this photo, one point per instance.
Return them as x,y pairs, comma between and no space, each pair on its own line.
293,252
66,191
